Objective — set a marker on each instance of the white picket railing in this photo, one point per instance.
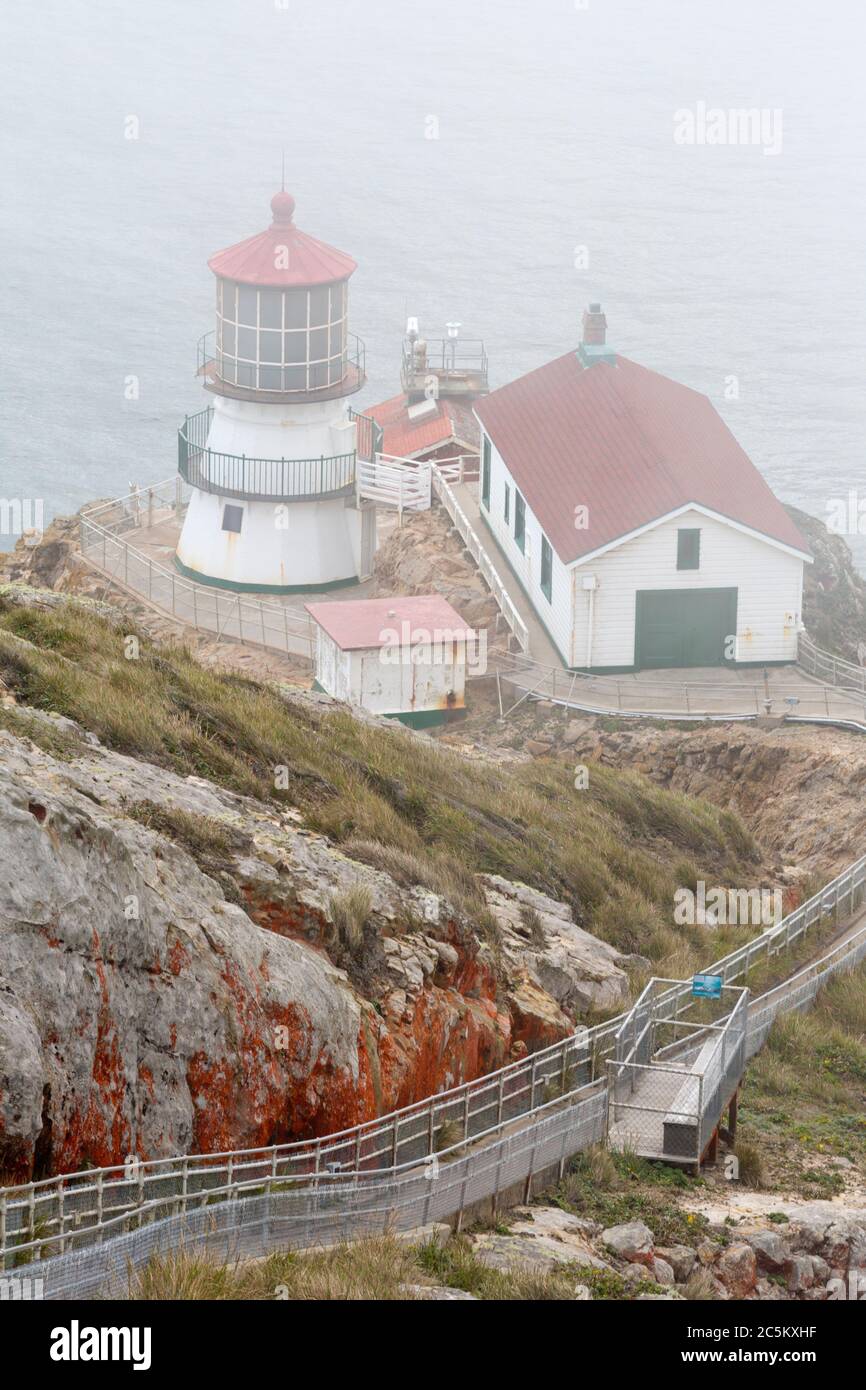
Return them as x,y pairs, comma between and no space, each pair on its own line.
393,482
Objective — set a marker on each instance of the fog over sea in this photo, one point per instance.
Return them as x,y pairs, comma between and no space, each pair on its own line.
555,133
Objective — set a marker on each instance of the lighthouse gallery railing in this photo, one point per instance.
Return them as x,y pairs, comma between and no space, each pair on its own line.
258,479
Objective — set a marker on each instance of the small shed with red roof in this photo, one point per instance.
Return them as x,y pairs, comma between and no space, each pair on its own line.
639,528
404,657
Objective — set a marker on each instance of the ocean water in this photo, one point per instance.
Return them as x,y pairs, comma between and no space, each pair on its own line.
497,162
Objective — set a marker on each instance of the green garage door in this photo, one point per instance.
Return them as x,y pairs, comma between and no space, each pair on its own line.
683,627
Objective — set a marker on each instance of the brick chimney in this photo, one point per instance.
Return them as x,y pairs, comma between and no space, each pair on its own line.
594,326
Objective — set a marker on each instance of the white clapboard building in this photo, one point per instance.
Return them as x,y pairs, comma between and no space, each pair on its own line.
639,529
403,657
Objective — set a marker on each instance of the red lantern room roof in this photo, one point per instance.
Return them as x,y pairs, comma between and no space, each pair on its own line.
282,256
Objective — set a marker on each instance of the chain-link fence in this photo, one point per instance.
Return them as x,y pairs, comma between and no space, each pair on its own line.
336,1207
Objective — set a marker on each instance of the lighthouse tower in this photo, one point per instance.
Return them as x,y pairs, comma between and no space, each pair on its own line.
271,461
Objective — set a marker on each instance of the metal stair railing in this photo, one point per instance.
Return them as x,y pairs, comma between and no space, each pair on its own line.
827,667
47,1214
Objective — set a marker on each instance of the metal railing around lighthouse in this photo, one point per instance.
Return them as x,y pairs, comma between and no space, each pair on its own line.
111,541
258,479
245,379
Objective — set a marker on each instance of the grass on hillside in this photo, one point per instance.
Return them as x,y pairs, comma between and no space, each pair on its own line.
804,1096
378,1268
616,851
613,1188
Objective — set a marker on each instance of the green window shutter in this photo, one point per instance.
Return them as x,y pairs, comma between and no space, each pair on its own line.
688,548
519,521
546,569
485,473
507,504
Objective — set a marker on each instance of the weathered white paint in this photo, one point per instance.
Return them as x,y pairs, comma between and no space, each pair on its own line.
768,578
364,678
769,585
301,544
261,429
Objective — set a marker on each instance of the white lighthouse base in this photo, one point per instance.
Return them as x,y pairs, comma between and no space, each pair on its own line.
287,547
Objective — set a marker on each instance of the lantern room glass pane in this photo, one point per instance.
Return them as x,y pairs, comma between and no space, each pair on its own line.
337,301
319,306
247,305
227,340
318,375
270,346
247,343
295,347
271,309
296,309
318,344
338,339
271,378
228,299
294,378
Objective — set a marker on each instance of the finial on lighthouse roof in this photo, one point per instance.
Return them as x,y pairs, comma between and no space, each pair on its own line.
283,208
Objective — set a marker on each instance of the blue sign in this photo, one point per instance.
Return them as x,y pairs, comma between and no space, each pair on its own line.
707,986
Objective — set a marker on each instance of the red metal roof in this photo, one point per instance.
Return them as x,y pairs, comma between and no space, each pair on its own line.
629,445
363,623
283,255
408,438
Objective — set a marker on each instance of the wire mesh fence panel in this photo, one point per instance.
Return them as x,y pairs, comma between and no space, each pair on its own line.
48,1216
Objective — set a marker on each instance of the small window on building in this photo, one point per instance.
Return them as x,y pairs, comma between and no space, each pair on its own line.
519,521
688,549
546,569
232,518
507,512
485,473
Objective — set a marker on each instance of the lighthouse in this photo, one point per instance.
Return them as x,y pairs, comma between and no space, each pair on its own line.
271,460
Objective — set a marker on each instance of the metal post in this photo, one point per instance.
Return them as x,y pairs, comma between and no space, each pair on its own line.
99,1202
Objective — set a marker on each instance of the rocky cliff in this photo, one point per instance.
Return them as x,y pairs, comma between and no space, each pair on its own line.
186,964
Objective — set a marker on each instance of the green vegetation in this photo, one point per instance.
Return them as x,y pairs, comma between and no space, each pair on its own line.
60,743
613,1188
380,1268
804,1096
208,841
615,851
350,912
